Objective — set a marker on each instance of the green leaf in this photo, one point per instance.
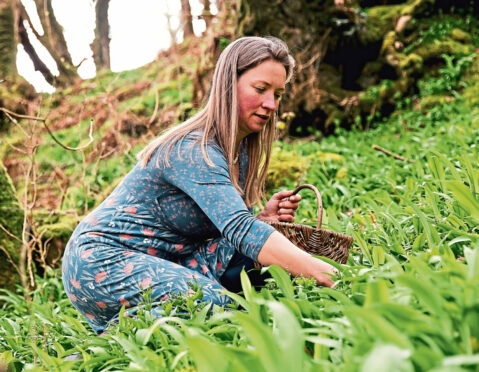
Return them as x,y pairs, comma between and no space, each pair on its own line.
448,163
460,360
363,246
248,290
436,168
464,197
369,321
429,297
472,259
472,174
206,355
431,232
376,292
379,256
388,358
283,280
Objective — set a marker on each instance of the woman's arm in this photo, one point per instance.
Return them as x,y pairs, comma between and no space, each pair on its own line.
278,250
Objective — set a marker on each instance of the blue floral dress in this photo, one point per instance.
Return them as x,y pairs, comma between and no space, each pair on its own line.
162,227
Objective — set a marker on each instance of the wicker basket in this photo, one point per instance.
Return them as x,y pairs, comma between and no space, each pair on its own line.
316,241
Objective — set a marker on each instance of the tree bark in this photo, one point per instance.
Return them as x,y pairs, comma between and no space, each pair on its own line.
11,223
101,44
38,64
8,46
186,18
207,16
55,43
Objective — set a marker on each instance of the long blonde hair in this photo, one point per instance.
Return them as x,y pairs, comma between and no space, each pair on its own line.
219,118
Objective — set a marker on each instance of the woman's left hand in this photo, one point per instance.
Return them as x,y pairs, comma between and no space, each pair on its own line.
281,207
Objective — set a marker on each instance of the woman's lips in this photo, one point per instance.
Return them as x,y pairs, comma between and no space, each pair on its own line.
262,117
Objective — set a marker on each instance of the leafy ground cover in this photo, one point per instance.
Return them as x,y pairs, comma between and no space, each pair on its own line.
408,299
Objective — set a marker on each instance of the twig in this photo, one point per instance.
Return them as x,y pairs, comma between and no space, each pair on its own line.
90,135
44,122
155,111
9,234
4,250
8,113
79,64
391,154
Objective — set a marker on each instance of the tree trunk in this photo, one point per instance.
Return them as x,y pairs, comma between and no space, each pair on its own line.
55,43
38,64
8,47
101,44
11,223
207,16
186,19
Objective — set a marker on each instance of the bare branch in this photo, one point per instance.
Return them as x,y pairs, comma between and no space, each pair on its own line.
155,111
44,122
90,136
8,112
392,154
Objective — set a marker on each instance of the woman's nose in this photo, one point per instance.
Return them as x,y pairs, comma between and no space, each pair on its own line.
269,101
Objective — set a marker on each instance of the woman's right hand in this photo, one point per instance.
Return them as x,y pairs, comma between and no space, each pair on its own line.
277,250
322,272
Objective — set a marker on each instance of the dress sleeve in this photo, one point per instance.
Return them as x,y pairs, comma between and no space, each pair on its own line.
212,190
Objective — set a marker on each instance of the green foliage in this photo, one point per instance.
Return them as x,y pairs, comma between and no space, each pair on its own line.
440,28
449,77
286,167
407,300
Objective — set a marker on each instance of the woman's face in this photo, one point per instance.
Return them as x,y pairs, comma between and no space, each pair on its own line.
259,92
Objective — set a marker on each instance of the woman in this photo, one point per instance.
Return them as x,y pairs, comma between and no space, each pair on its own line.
185,211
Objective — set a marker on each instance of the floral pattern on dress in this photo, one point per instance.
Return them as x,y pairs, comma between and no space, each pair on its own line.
162,227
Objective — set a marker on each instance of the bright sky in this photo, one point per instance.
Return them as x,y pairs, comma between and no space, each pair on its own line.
138,32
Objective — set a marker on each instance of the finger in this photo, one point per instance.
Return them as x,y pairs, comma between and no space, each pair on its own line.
286,212
327,282
324,280
293,199
283,194
289,205
286,218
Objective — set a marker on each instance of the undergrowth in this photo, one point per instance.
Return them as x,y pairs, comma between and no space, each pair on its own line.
408,299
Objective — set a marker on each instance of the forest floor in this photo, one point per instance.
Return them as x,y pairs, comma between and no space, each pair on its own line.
407,299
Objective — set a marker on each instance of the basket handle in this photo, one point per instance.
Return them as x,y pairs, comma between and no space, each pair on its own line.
318,196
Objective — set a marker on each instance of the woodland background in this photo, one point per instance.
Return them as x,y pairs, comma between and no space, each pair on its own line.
382,116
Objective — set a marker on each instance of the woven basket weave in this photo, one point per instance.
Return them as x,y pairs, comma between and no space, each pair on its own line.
316,241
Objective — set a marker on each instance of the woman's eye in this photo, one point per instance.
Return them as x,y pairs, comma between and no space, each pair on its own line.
278,96
260,89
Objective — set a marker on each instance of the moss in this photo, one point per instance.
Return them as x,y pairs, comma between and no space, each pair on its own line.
11,219
388,43
417,7
367,101
55,225
461,36
383,17
410,64
341,173
437,48
328,156
55,230
470,93
285,166
429,102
